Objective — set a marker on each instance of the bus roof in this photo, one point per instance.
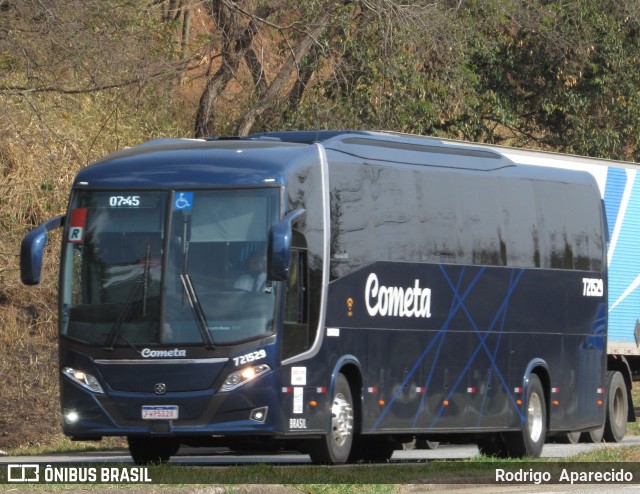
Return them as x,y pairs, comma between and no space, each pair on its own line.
264,158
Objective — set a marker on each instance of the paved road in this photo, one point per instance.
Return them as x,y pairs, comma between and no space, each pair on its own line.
194,456
222,458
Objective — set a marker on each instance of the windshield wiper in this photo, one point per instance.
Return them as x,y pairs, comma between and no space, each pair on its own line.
197,310
116,329
141,282
198,313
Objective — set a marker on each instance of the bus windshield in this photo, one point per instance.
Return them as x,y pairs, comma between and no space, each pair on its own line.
162,268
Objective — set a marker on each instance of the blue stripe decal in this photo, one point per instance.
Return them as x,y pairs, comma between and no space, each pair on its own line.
439,336
501,310
613,191
434,363
457,304
495,353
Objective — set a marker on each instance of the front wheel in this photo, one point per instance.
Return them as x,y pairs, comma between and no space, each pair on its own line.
529,441
335,447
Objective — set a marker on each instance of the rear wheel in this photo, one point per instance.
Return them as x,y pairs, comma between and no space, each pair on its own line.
529,441
335,446
147,450
615,425
571,437
426,444
419,443
594,436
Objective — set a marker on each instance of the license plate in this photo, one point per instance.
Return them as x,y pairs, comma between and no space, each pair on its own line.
159,412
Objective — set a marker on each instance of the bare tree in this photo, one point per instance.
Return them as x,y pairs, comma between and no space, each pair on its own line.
277,86
295,43
236,41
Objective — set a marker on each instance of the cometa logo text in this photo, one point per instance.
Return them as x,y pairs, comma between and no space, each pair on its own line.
176,352
397,301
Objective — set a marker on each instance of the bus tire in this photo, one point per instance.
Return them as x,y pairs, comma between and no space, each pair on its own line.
529,441
594,436
571,437
615,424
335,447
416,443
426,444
150,450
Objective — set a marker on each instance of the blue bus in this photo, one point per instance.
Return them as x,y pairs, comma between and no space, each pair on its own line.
336,292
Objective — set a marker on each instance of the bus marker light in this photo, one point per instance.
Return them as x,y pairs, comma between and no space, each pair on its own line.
381,403
518,402
600,402
313,403
555,402
445,403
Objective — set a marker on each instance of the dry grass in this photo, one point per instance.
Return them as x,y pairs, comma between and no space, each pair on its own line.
44,140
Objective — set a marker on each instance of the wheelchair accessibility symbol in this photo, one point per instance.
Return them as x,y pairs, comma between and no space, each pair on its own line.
183,201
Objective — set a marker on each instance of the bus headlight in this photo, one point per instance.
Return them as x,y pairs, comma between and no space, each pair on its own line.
85,380
243,376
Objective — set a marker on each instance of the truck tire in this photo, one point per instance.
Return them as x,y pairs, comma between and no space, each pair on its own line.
529,441
615,424
335,447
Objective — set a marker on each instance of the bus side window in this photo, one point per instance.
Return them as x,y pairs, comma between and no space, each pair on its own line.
295,327
295,311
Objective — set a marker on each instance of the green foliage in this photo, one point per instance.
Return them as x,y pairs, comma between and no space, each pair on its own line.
562,74
554,74
384,78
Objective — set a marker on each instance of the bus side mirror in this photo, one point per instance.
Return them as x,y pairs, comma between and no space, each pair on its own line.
32,250
280,245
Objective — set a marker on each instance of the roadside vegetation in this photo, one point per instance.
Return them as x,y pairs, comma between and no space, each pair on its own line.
82,78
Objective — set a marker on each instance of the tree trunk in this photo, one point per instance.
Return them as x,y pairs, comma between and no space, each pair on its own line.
233,49
268,98
186,31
